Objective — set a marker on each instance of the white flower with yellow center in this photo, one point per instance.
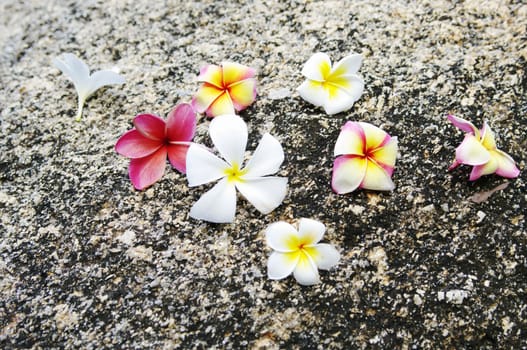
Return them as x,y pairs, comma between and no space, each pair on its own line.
229,135
299,252
334,88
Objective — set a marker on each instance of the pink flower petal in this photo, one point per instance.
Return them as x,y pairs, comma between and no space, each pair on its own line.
150,126
376,178
454,165
463,124
386,155
221,106
177,155
506,166
212,74
205,96
235,72
348,173
351,140
484,169
375,137
472,152
134,145
146,171
181,123
243,93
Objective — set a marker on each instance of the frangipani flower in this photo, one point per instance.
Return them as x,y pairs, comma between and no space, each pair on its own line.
149,143
84,83
226,89
299,252
229,135
334,88
479,150
366,158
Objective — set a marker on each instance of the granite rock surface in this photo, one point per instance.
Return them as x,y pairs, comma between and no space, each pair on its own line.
88,262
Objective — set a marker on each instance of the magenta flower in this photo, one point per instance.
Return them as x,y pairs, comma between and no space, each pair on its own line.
479,150
149,143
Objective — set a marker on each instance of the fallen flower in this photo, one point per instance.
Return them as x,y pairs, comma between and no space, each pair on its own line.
149,143
334,88
229,135
479,150
85,84
226,89
299,252
366,158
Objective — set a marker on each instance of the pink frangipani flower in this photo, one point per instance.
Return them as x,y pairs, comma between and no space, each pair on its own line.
479,150
153,139
226,89
366,158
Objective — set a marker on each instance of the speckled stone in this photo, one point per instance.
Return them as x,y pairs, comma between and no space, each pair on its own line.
88,262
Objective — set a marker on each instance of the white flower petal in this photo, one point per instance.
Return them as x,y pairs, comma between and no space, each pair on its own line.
73,67
311,230
265,193
280,265
229,135
352,84
203,166
103,78
313,92
266,159
306,272
348,65
471,151
279,236
217,205
317,67
342,98
327,256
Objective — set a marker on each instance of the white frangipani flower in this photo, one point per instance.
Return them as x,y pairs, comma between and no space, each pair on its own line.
335,88
229,135
84,83
299,252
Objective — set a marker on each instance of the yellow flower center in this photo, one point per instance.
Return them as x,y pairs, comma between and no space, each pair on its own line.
234,173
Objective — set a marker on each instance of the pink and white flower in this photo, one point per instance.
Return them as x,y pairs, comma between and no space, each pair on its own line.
299,251
226,89
334,88
229,135
153,139
479,150
366,158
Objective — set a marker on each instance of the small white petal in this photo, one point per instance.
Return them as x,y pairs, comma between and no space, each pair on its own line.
279,236
73,67
348,65
229,135
266,159
317,67
280,265
327,256
217,205
312,230
306,272
265,193
342,98
203,166
313,92
103,78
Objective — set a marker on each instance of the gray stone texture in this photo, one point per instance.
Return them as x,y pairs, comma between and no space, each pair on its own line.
88,262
